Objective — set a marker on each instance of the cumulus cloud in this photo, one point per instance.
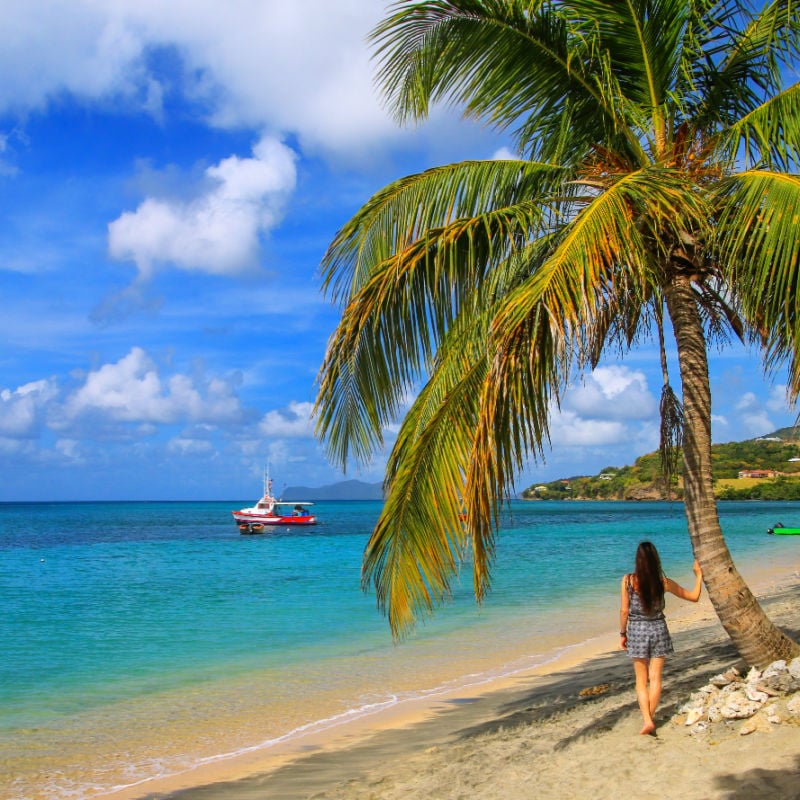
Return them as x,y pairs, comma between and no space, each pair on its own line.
292,422
569,430
611,409
267,64
753,417
778,400
70,449
132,390
218,231
96,56
719,420
22,410
505,154
184,446
614,392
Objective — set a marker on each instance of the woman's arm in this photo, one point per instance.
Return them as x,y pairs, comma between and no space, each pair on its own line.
678,590
624,606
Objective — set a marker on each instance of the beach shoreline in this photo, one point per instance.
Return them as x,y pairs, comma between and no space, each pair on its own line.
408,750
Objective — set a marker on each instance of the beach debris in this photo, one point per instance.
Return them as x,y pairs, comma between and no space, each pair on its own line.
736,705
758,701
723,679
757,695
593,691
694,715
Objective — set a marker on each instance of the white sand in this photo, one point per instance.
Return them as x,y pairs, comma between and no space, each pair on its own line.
536,736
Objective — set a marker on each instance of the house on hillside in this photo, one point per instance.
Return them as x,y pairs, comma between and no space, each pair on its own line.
758,473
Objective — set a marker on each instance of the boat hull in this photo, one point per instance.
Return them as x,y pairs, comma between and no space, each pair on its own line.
274,519
778,531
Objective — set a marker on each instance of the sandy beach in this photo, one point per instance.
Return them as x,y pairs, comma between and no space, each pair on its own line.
562,731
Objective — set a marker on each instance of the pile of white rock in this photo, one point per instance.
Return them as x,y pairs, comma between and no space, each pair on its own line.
756,702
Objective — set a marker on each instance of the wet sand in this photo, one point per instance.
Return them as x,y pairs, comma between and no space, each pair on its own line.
569,729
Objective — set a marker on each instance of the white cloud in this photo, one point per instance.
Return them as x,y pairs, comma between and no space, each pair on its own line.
719,419
615,392
22,410
753,417
70,449
291,422
505,154
218,231
132,390
610,411
778,400
96,51
569,430
186,446
17,448
302,66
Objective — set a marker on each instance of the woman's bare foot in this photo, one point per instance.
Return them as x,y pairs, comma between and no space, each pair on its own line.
649,729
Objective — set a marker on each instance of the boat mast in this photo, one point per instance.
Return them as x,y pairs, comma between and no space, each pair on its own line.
268,484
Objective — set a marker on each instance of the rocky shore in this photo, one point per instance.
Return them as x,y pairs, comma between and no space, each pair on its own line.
755,702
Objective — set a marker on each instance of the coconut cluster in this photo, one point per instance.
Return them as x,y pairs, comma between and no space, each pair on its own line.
755,702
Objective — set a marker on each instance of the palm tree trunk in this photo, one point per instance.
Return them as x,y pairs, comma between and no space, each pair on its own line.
758,641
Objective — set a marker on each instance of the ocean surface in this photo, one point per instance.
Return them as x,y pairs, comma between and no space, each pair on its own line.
140,639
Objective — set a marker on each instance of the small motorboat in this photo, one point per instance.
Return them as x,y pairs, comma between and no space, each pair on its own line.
779,529
271,511
248,529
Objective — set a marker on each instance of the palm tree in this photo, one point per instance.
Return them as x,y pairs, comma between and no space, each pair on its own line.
653,190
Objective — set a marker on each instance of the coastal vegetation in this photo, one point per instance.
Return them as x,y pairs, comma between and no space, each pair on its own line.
652,196
766,468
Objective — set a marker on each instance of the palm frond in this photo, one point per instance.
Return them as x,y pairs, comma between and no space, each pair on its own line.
401,307
758,244
420,539
480,55
603,255
513,426
400,215
740,64
769,135
429,523
644,48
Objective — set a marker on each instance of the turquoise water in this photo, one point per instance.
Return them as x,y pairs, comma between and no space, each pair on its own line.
140,638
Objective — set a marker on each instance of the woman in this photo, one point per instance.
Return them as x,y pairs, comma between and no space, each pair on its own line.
643,628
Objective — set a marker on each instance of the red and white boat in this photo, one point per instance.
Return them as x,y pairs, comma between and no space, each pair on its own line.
271,511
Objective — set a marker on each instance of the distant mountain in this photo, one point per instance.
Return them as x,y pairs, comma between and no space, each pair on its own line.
345,490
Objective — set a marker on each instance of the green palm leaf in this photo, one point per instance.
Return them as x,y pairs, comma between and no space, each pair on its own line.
400,215
759,238
402,305
770,134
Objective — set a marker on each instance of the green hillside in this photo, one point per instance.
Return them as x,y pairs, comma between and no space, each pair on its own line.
773,454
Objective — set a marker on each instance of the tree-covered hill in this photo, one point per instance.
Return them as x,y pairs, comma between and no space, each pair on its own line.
777,454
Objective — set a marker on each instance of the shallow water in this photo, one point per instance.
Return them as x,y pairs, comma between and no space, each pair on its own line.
142,638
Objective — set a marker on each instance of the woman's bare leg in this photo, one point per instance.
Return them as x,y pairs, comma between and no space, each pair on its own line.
654,683
641,669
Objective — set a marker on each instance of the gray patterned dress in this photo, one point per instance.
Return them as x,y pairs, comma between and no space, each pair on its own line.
648,635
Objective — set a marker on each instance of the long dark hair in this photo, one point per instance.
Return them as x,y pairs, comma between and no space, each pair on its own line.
649,577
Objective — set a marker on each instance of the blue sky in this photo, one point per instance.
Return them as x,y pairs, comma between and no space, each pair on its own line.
172,174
